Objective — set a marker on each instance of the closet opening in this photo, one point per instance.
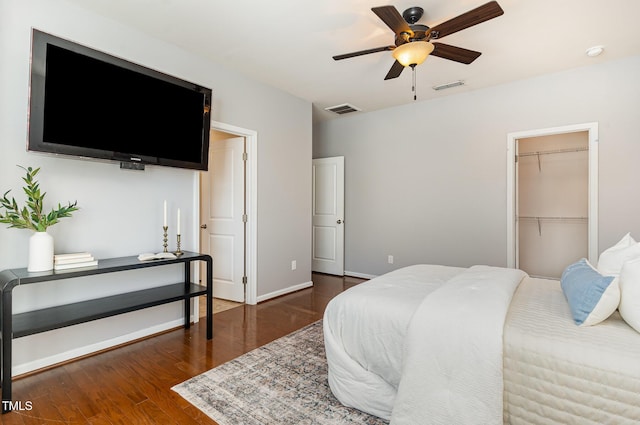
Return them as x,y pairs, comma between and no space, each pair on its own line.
552,199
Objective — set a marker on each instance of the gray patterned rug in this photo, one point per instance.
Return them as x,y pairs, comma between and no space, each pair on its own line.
283,382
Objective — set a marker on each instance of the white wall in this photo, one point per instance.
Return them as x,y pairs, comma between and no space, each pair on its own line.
121,211
426,182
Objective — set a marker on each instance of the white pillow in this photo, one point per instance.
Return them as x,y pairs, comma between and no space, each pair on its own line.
611,260
591,296
630,293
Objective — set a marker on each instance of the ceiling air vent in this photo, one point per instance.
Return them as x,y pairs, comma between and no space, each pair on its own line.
345,108
449,85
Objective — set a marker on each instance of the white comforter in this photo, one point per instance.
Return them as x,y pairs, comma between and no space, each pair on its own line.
439,361
452,371
364,331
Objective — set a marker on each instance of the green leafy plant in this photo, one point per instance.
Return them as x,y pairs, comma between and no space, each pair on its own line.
32,215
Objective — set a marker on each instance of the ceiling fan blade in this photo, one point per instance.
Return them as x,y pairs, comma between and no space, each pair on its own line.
363,52
473,17
393,19
395,71
454,53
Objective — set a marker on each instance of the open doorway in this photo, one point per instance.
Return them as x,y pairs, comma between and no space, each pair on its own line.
228,197
552,192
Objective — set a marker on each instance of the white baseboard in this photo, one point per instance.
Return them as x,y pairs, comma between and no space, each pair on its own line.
285,291
361,275
92,348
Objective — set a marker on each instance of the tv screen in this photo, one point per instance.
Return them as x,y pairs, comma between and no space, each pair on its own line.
90,104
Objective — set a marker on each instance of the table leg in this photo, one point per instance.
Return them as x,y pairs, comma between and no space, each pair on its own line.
209,298
187,300
7,333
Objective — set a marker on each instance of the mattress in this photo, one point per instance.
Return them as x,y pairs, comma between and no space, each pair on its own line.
558,373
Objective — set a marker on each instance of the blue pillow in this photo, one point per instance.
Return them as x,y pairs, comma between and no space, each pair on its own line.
592,297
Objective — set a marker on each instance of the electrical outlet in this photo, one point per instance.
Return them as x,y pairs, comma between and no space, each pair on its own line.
294,265
390,259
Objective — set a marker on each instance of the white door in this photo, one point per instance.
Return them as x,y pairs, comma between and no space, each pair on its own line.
328,216
223,208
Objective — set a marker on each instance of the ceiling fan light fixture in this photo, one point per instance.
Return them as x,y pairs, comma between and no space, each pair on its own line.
413,53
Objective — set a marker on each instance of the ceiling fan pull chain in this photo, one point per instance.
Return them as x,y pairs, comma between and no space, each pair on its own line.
413,86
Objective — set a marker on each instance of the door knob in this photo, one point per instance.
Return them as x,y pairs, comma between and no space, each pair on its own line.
203,226
339,221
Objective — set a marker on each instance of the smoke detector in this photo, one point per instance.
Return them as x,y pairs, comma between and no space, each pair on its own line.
594,51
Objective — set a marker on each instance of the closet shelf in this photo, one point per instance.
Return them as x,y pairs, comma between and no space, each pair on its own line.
540,219
538,153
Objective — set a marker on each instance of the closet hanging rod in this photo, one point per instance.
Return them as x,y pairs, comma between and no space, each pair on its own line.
553,152
524,217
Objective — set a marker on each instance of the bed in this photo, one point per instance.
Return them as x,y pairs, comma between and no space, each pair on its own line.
480,345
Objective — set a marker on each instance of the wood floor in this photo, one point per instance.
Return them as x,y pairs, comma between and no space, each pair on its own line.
132,384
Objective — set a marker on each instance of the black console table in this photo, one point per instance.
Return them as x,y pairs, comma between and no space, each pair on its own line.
32,322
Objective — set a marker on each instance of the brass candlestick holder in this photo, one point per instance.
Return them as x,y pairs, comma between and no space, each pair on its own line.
178,251
164,238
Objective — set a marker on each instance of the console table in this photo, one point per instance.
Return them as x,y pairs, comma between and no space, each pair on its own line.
32,322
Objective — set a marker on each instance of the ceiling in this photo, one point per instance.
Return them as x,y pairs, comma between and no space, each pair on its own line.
289,44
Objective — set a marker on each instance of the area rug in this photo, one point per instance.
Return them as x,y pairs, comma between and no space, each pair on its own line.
283,382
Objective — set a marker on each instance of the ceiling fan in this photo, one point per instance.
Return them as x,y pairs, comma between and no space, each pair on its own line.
413,42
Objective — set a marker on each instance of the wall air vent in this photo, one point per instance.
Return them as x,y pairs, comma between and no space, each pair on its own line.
345,108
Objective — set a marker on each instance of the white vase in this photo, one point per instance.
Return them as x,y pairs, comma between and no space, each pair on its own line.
40,252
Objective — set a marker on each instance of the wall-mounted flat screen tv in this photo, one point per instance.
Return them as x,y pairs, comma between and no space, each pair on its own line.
90,104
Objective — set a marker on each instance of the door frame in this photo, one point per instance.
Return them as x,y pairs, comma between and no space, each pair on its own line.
251,181
512,233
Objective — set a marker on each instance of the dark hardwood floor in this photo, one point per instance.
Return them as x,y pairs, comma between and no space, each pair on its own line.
132,384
